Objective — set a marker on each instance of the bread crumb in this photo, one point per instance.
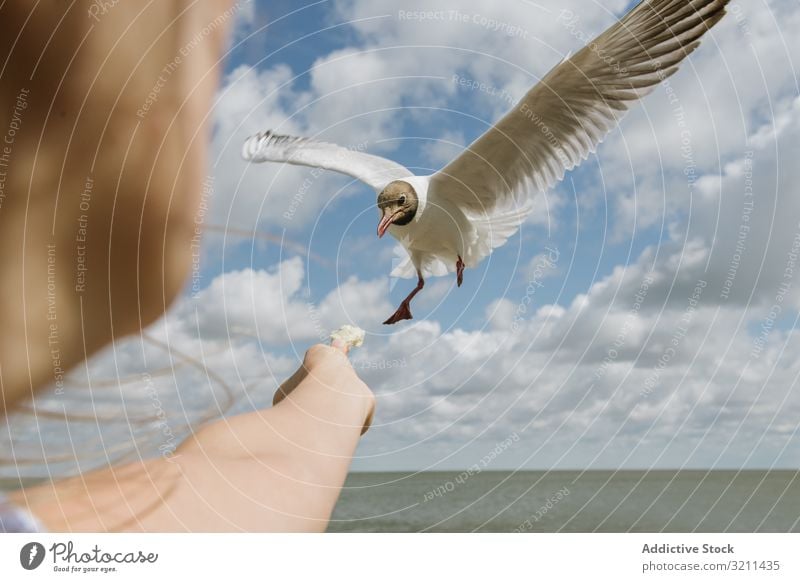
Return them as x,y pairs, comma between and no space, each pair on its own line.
350,335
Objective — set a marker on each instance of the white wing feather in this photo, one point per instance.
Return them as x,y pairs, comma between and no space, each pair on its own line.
560,122
373,170
488,232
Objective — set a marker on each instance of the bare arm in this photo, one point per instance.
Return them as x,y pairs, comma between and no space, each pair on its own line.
279,469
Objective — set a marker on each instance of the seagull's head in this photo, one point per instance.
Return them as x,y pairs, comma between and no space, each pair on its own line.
398,204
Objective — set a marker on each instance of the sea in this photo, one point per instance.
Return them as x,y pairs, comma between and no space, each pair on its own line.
566,501
570,501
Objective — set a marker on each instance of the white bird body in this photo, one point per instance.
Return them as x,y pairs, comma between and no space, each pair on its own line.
442,231
455,218
435,236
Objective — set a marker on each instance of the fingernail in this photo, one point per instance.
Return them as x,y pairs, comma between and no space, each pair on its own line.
339,345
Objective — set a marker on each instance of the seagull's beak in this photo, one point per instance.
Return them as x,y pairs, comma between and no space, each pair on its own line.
386,222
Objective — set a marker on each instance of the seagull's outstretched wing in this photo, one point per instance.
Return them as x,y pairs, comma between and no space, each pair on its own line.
560,122
374,170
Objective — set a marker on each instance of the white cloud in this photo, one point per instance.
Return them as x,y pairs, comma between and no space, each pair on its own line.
274,305
729,90
623,373
617,375
650,367
687,369
364,91
261,302
444,149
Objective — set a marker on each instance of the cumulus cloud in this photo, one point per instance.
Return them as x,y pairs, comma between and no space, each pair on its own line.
680,358
701,119
675,356
360,96
275,307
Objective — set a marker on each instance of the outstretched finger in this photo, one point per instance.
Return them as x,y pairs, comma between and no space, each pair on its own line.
340,345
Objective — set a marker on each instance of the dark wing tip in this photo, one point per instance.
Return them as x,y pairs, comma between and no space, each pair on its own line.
253,144
260,142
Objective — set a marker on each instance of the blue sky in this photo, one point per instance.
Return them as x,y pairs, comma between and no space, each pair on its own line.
358,72
297,35
587,376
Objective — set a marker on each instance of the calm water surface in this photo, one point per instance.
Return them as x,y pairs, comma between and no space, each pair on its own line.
622,501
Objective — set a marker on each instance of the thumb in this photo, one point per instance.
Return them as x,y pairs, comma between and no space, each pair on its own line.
340,345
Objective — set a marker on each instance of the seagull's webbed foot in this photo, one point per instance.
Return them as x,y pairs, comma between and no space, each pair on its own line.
404,311
460,271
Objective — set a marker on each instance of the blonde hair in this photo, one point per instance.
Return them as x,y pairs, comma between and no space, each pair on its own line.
99,417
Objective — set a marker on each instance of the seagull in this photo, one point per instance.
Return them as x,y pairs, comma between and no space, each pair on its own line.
456,217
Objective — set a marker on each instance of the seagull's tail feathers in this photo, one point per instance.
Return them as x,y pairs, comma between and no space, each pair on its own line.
430,265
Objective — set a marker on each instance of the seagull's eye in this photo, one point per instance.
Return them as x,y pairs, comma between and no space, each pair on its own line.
402,199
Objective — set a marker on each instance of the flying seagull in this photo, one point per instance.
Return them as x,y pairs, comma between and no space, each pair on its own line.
455,218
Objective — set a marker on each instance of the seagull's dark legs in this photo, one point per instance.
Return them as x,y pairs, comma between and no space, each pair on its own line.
404,311
460,270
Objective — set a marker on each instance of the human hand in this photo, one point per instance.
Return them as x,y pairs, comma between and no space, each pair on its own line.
330,364
279,469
